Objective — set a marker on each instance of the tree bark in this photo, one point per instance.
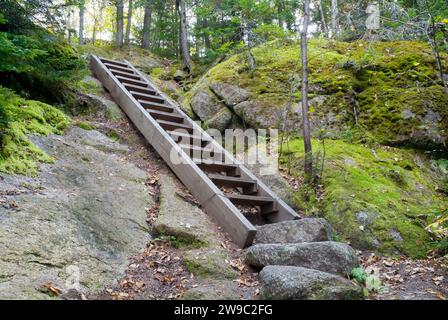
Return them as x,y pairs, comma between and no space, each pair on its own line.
322,18
147,25
183,36
129,24
120,23
334,19
82,9
306,122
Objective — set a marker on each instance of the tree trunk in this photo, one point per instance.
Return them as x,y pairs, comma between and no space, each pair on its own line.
334,19
147,25
94,32
280,10
81,22
127,38
322,18
207,41
120,23
306,121
184,49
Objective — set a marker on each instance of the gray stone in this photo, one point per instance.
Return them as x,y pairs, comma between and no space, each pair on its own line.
259,116
209,263
230,94
332,257
366,218
407,114
179,218
295,283
221,121
100,106
205,105
296,231
85,212
396,235
213,290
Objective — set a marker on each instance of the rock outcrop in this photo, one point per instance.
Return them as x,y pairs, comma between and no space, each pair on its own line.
77,223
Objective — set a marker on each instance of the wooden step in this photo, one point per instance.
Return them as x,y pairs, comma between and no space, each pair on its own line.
125,75
147,97
121,69
170,126
140,89
118,63
155,106
134,82
168,116
232,170
249,186
197,152
187,138
247,200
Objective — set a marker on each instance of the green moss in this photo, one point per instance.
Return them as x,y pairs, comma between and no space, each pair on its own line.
375,195
210,263
19,118
381,80
85,126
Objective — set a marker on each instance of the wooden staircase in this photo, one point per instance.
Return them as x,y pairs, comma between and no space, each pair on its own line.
201,163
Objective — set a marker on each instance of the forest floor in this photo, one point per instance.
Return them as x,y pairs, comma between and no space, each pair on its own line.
407,279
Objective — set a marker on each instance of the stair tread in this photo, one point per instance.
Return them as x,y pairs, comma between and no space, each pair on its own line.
175,124
249,199
140,89
132,76
140,94
231,179
105,61
149,104
123,69
193,147
166,115
132,81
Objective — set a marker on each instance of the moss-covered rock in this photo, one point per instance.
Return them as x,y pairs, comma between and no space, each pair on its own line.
18,118
390,89
378,198
209,263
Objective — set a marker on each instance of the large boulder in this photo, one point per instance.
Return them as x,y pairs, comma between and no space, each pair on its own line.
258,115
296,231
76,224
210,110
230,94
296,283
221,121
332,257
205,105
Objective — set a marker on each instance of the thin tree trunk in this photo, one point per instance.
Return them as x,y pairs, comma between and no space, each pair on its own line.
129,24
306,122
207,42
334,19
436,51
120,23
147,25
322,18
94,31
69,25
81,22
185,52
